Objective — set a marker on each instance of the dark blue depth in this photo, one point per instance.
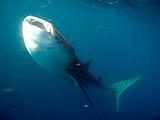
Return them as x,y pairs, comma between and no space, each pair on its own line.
122,40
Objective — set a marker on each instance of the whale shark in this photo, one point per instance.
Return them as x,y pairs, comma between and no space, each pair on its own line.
54,53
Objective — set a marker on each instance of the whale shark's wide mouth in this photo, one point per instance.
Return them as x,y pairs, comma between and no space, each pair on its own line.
36,23
40,23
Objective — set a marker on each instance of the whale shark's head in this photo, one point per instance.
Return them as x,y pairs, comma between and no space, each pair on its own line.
37,33
45,44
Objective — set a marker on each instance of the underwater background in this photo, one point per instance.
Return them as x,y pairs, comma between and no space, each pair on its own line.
122,37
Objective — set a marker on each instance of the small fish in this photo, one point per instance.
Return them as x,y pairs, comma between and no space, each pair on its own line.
8,90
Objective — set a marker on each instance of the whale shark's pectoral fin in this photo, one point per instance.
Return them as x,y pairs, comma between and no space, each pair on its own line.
119,87
84,92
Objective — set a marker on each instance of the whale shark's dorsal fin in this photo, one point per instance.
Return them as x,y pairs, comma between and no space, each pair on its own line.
87,64
119,87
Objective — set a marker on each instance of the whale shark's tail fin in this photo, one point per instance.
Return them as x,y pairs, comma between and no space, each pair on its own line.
119,87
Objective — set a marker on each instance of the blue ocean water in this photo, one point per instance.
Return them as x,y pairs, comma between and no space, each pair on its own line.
122,40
